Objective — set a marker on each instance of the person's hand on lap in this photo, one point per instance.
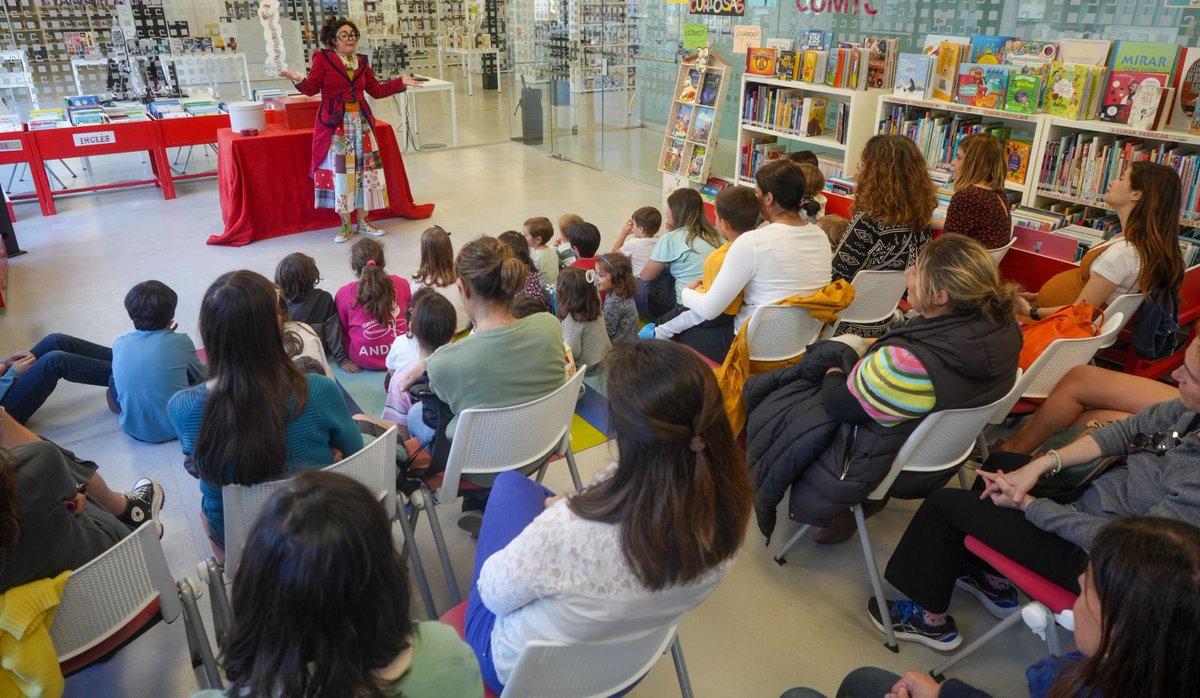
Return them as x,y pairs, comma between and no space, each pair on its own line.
351,367
1002,492
915,685
696,284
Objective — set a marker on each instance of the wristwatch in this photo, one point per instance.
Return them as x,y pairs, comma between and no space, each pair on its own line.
1033,312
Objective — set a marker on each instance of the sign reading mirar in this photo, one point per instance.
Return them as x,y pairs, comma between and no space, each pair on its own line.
95,138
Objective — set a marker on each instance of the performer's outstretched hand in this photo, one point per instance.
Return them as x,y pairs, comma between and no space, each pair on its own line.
291,75
413,82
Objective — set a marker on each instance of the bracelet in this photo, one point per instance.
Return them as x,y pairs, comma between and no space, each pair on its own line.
1058,462
1033,312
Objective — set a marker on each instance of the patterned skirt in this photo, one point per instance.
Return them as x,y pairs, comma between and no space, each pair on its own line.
351,177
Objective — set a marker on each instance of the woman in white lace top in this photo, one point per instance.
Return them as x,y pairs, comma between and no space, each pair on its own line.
648,540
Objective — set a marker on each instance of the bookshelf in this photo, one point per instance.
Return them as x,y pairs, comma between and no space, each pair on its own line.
951,115
859,114
604,34
694,121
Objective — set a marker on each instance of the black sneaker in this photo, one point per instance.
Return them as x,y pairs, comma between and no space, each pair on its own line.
909,624
1001,603
142,504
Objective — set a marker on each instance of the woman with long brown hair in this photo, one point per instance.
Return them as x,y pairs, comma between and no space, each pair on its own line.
678,255
651,538
892,210
1144,256
371,309
979,207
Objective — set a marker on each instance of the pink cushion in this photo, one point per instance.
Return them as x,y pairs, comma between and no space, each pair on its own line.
1036,586
457,618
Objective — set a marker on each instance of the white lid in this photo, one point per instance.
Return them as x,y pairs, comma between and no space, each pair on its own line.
243,106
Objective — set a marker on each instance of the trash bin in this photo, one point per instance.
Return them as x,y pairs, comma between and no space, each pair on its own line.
532,122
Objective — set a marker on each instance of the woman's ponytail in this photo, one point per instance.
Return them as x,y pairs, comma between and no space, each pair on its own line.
512,276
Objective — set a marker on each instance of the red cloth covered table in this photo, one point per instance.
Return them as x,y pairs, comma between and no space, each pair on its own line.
266,192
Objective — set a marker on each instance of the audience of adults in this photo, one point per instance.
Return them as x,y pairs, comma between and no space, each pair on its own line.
979,207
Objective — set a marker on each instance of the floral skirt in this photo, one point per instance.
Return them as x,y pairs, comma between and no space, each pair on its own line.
351,177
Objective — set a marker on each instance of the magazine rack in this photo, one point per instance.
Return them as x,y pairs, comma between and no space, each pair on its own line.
694,121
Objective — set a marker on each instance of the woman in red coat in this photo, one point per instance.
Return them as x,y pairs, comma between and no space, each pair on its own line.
345,165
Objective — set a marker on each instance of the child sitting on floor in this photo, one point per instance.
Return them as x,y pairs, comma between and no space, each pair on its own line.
637,237
561,243
371,309
302,344
436,270
835,228
614,280
538,232
151,364
297,278
582,318
585,240
431,322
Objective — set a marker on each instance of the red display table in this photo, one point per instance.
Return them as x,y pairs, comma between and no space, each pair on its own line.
266,190
190,131
14,151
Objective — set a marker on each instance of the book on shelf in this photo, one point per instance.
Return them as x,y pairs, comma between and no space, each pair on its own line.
710,89
912,75
695,168
781,44
760,61
1030,54
787,65
1084,51
682,123
1187,88
9,123
813,66
847,67
843,120
82,101
1122,87
712,187
945,70
1068,92
844,186
1037,218
1144,56
988,49
881,61
1147,106
1017,152
933,42
812,116
702,124
1024,93
982,85
672,157
815,40
756,151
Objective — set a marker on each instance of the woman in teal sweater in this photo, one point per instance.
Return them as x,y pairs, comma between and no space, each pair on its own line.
258,417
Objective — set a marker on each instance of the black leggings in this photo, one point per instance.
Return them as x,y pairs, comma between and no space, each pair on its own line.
930,554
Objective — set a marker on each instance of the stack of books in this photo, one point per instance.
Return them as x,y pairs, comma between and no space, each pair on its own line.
41,119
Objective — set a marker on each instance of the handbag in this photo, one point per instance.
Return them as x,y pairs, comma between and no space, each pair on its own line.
1069,483
1071,322
1156,327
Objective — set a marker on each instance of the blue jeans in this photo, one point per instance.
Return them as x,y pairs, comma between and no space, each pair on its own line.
518,501
59,356
416,424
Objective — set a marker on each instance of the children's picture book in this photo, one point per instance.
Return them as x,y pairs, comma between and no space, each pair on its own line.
1026,54
760,61
988,50
881,61
1193,128
781,44
689,84
933,42
1144,57
1143,108
813,116
1017,152
9,123
982,85
711,88
787,65
945,71
672,157
812,69
1187,88
912,75
682,122
695,168
1084,51
1024,93
815,40
1066,91
1121,89
702,124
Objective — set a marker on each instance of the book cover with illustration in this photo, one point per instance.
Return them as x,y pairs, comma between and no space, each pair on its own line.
689,84
787,65
695,168
813,116
945,71
1084,51
682,122
702,124
812,68
815,40
1144,107
1144,57
672,157
1024,93
1187,88
988,50
1030,54
1017,152
711,88
1066,91
760,61
881,61
912,75
1122,87
982,85
933,42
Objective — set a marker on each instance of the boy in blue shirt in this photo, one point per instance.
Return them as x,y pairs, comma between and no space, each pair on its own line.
151,364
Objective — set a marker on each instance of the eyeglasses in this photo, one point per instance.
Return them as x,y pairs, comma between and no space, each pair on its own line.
1157,443
346,36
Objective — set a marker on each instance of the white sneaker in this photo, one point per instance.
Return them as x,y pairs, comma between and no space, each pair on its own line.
367,229
343,234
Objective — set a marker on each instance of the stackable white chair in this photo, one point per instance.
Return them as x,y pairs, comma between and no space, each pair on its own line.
780,332
941,442
876,295
998,253
492,440
111,599
593,669
1126,304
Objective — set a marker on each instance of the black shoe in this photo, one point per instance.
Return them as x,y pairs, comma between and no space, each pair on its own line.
470,522
142,504
909,624
1001,603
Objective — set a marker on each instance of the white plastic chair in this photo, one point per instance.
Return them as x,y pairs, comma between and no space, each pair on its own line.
112,598
998,253
1126,304
493,440
593,669
941,442
780,332
876,295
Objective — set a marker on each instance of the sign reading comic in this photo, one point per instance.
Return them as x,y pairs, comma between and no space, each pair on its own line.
268,17
734,8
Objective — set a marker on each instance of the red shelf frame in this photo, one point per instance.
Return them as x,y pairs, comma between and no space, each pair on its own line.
190,131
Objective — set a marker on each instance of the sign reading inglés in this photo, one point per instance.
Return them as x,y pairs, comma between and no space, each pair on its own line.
94,138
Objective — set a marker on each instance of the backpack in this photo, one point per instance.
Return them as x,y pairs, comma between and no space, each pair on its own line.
1156,327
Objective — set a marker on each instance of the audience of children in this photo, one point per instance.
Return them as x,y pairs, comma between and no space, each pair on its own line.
27,378
371,309
257,416
678,257
538,231
436,270
583,319
808,157
151,364
321,605
297,277
617,286
562,243
301,343
636,240
585,242
518,246
835,228
431,322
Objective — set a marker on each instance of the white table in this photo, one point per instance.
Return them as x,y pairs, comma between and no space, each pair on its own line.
410,98
77,63
467,54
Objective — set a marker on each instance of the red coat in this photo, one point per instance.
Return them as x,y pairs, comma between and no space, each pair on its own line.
329,77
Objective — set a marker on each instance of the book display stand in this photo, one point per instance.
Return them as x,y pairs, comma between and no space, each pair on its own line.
694,121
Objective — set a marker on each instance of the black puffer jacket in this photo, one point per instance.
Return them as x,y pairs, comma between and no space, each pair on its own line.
787,426
972,362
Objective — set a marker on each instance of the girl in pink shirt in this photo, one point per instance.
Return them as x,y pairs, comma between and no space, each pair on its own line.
371,310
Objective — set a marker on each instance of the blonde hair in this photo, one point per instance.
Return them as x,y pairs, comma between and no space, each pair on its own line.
894,185
566,220
964,269
982,162
835,228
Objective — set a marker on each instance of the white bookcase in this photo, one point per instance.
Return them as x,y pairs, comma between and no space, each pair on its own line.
859,127
604,34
